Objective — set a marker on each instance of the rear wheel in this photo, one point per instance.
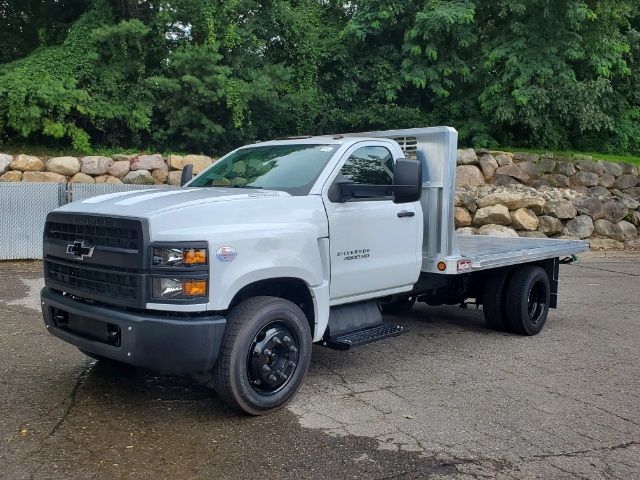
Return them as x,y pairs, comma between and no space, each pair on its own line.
528,296
493,299
399,305
264,356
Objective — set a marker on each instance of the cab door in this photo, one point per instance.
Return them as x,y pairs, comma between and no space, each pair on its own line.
375,244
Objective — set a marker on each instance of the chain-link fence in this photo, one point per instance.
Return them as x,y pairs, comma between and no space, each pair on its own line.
24,208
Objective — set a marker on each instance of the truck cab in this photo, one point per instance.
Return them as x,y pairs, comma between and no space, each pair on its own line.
276,246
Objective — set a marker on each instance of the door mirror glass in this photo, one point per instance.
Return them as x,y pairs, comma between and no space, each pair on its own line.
407,181
187,174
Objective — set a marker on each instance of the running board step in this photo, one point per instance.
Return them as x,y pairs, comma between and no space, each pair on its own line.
364,336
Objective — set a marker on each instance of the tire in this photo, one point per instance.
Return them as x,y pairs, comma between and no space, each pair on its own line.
493,299
528,296
255,373
400,305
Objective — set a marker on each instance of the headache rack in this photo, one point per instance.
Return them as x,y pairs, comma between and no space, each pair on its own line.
443,251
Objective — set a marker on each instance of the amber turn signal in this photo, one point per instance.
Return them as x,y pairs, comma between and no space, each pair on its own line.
194,288
194,256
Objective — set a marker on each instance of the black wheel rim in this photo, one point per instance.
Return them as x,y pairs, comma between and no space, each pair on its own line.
273,358
536,303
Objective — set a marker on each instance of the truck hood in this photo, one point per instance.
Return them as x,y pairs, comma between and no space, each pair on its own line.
207,213
152,202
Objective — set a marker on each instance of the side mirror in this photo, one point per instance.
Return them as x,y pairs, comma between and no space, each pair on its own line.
187,174
407,181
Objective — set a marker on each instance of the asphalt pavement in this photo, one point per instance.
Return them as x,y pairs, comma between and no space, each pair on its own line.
450,399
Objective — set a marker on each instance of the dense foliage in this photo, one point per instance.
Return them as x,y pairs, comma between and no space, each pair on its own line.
206,75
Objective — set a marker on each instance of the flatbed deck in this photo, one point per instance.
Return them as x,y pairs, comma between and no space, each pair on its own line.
481,252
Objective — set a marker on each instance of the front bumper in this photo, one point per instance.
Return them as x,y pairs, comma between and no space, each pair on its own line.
166,343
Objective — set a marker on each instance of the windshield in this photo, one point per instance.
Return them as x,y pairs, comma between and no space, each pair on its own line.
292,168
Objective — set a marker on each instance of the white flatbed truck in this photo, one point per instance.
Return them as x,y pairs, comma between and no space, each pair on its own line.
279,245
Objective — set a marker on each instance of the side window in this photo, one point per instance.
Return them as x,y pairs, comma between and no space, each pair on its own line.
369,165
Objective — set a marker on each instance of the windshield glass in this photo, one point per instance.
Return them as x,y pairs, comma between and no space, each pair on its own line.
292,168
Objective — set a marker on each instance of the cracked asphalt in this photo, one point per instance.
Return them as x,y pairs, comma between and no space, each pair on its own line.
449,399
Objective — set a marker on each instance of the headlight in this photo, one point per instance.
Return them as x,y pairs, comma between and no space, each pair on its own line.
178,288
179,257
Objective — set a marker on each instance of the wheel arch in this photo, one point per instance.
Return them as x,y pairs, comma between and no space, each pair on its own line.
293,289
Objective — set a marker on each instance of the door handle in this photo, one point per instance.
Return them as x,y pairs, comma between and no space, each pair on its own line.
406,213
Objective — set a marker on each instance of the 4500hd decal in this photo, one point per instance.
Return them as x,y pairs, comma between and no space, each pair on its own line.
357,254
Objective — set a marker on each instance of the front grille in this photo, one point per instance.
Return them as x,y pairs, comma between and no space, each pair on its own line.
104,232
96,282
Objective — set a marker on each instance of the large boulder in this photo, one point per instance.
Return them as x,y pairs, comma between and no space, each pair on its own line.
562,209
524,219
120,168
466,156
11,176
633,192
514,171
607,229
199,162
95,165
579,227
614,210
550,225
466,200
149,162
160,176
174,178
628,229
43,177
565,168
505,181
466,231
503,159
495,214
82,178
606,180
110,179
531,169
497,231
124,157
488,165
546,165
635,217
598,192
67,166
633,244
5,162
629,168
462,217
558,180
585,179
590,166
605,244
469,176
591,206
139,177
27,163
512,200
612,168
526,157
535,234
625,181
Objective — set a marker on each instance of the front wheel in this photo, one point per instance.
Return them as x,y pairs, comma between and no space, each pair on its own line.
264,356
528,296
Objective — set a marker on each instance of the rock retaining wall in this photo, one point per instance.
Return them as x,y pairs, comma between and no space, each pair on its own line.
531,195
498,193
139,169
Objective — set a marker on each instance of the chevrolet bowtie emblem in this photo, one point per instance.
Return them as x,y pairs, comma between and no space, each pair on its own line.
79,250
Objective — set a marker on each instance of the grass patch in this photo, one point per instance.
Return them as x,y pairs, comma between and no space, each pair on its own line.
571,154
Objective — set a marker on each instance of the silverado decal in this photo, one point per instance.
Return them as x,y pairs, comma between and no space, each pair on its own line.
357,254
